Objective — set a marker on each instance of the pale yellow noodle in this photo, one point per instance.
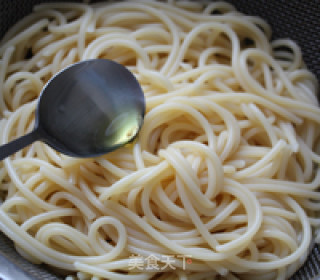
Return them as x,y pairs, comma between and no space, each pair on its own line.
224,175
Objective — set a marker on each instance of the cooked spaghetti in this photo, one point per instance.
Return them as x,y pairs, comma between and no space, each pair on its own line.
222,180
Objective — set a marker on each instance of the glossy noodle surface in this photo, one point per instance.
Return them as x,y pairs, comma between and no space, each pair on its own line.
220,184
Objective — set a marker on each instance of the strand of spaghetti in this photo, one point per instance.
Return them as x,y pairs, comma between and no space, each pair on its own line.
21,37
197,253
47,216
187,175
108,274
123,184
295,255
4,65
254,85
212,242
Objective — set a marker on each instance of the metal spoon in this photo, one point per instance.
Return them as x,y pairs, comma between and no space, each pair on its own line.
88,109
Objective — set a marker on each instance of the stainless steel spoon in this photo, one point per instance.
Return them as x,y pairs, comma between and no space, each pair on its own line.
88,109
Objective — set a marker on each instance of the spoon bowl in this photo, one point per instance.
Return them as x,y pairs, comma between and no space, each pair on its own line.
88,109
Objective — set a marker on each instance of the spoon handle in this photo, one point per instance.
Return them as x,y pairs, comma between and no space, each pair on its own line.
18,144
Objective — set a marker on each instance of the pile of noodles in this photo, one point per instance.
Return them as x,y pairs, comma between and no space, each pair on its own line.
223,178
